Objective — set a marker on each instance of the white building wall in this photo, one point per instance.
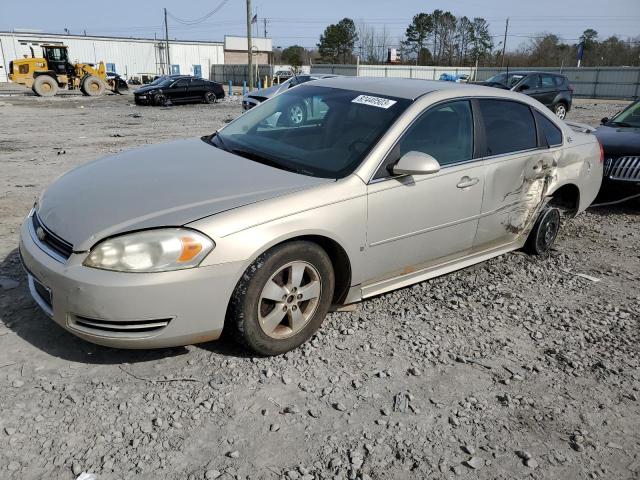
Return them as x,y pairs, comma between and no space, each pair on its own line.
130,56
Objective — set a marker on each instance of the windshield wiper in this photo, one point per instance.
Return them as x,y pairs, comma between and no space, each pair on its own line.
621,124
221,145
266,161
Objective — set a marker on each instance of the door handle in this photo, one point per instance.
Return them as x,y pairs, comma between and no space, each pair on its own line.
466,182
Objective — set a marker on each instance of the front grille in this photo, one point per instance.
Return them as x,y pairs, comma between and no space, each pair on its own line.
130,328
623,168
50,239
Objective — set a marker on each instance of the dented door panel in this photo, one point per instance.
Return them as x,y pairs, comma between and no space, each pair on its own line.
515,190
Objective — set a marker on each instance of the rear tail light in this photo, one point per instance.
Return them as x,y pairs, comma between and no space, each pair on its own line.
571,88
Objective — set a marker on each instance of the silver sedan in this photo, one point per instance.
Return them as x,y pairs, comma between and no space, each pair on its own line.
265,225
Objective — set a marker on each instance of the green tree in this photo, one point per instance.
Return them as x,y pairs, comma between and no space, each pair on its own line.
481,43
416,37
294,56
337,42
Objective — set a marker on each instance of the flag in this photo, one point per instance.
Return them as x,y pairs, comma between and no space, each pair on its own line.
255,18
580,51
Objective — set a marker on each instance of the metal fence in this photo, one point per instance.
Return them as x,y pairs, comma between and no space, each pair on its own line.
236,73
589,82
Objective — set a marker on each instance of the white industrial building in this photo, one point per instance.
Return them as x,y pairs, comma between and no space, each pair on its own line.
129,56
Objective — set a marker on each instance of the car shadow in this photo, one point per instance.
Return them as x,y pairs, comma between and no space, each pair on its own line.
20,314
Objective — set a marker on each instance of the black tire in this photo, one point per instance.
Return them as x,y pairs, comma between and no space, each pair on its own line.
243,312
92,86
544,232
210,97
560,109
45,86
160,99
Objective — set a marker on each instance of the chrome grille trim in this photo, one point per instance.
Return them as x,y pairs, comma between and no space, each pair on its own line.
623,168
52,244
122,329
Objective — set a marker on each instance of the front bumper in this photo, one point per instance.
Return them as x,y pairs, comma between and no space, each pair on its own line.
129,310
143,100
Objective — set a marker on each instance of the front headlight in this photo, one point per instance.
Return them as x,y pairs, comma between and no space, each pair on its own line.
158,250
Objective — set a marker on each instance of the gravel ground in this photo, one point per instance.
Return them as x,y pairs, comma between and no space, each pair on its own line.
515,368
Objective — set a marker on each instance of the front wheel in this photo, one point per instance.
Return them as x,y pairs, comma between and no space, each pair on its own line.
92,86
560,110
544,232
282,298
160,100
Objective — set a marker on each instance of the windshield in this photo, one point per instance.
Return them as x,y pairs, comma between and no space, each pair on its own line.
507,80
318,131
630,117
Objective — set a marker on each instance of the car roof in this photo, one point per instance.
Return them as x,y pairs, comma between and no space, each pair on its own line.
528,72
393,87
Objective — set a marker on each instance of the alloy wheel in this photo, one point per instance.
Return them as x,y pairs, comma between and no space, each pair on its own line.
289,299
296,114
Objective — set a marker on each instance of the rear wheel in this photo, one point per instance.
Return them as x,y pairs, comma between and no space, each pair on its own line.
282,298
544,232
210,97
92,86
560,110
45,86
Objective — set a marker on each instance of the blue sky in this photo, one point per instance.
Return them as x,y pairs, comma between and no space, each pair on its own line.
302,21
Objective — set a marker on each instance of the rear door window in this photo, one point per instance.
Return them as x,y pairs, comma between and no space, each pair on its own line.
550,131
509,126
548,82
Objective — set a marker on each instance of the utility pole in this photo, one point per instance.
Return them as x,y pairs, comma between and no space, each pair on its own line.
166,39
504,42
249,46
264,20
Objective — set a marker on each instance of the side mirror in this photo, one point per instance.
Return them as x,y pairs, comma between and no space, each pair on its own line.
416,163
604,120
522,88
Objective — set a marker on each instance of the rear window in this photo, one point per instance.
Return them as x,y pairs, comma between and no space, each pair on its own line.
551,133
509,126
560,81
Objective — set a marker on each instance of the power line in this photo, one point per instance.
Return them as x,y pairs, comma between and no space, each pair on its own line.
201,19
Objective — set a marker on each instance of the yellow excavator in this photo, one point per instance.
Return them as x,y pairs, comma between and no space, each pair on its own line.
47,74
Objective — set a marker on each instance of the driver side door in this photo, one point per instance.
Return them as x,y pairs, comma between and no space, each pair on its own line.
415,221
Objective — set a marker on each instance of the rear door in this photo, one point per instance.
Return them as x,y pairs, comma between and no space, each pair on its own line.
196,89
517,171
548,89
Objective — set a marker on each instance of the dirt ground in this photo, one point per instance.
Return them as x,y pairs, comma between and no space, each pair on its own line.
515,368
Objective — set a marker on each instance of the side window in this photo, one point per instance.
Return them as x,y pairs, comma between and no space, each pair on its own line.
197,83
548,81
445,132
530,83
509,126
551,133
180,83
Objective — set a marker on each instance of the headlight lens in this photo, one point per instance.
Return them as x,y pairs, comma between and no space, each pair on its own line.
158,250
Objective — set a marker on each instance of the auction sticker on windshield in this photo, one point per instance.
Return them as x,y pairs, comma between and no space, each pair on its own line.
373,101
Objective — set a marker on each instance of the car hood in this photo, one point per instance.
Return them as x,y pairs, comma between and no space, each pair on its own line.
266,92
145,89
170,184
619,140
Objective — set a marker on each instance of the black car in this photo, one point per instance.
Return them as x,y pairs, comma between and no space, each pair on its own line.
174,89
551,89
620,140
